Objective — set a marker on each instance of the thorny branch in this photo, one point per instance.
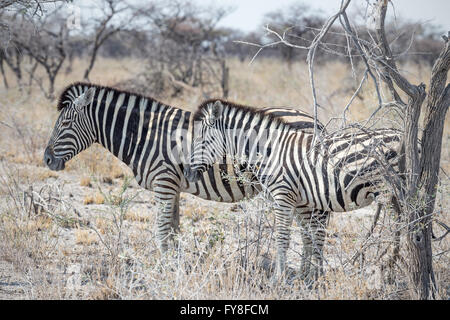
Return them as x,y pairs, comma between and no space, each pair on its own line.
418,171
443,225
310,61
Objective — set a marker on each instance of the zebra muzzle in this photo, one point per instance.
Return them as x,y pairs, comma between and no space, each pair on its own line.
51,161
191,175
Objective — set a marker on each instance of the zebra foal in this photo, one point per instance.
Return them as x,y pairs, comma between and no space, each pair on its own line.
152,139
343,173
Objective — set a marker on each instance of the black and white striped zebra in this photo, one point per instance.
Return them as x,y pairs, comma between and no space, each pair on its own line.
152,139
342,173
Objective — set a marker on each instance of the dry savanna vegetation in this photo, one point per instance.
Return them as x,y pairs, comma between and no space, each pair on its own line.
88,232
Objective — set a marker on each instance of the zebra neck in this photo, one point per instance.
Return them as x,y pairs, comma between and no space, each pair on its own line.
133,127
264,152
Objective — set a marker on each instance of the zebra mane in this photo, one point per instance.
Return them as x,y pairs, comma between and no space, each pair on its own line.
74,90
71,92
198,114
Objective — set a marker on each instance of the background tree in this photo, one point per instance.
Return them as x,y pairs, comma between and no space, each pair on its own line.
186,49
47,46
106,26
297,23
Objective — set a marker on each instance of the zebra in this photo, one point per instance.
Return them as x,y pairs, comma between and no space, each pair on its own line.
152,139
342,173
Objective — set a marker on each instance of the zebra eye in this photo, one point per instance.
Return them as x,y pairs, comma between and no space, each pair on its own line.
65,123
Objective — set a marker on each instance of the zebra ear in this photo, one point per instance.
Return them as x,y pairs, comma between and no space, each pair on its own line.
216,111
85,99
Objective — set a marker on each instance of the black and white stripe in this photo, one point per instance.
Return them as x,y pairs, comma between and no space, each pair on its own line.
342,173
152,139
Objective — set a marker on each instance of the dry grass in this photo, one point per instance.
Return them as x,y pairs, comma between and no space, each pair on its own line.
97,198
137,216
85,237
75,238
85,182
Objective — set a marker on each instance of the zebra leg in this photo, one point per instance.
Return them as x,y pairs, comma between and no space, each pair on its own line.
321,234
283,224
175,227
303,219
313,227
176,214
167,221
319,225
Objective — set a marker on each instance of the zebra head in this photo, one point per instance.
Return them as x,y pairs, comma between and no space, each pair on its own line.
208,146
70,135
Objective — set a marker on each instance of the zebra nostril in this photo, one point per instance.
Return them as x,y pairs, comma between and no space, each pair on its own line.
48,158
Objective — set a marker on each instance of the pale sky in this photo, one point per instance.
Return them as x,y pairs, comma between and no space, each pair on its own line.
248,13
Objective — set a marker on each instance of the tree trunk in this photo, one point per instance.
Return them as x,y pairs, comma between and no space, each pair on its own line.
420,239
91,62
225,79
421,172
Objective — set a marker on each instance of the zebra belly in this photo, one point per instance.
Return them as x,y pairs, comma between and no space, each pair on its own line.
221,184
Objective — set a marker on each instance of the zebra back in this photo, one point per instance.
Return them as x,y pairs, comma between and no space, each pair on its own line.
297,119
